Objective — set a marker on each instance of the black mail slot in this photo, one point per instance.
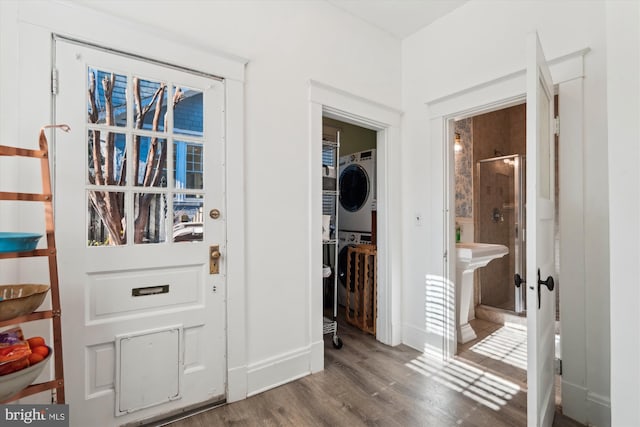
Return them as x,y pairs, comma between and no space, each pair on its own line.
150,290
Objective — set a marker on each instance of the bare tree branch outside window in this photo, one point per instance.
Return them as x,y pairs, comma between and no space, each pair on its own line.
109,204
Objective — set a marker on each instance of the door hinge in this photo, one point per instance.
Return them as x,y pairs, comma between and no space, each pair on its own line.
556,125
54,81
558,366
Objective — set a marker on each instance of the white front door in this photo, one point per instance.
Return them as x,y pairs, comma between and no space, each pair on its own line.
139,183
540,228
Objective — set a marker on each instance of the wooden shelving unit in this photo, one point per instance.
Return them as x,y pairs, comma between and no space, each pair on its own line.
54,314
362,266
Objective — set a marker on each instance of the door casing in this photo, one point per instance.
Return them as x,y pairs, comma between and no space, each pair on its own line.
337,104
506,91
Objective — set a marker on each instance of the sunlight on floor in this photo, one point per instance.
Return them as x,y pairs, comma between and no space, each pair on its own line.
484,387
507,344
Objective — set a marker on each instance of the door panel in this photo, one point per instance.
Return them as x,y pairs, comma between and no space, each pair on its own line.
540,242
134,236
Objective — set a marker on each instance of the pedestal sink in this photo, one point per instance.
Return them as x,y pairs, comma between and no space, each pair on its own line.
470,256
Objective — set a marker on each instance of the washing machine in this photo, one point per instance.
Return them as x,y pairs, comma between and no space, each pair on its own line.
346,239
357,185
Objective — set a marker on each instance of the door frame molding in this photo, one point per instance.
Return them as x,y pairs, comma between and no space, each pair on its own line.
75,21
328,101
568,74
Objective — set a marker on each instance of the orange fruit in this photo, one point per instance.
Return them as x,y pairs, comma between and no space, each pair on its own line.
41,350
35,342
35,358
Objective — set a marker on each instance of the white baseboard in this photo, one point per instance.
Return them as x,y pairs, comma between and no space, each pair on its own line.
414,337
421,340
574,401
584,406
599,410
278,370
396,334
317,356
236,384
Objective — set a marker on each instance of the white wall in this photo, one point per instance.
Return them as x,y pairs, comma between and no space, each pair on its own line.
623,101
476,43
287,44
8,218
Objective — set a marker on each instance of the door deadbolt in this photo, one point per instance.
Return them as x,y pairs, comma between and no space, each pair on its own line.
517,279
214,259
214,213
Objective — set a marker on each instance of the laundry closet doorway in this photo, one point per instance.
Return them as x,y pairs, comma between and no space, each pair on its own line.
335,104
356,225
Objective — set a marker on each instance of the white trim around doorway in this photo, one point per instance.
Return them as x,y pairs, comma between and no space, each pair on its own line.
327,101
568,74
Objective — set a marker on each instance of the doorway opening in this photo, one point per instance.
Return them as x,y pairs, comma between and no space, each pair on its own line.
333,103
349,205
490,207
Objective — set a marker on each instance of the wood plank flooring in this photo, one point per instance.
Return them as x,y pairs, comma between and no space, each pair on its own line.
369,384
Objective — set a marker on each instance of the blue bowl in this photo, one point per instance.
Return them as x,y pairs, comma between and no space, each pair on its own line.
18,242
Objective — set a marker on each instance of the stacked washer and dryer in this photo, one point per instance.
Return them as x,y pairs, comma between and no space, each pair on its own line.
357,185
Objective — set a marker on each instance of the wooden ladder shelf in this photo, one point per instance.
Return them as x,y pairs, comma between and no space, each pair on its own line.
50,252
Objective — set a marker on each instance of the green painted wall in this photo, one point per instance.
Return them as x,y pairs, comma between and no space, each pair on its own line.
352,138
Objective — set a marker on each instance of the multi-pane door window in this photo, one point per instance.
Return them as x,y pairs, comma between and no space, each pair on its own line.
140,201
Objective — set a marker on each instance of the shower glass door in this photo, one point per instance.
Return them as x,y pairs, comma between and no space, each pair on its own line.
500,218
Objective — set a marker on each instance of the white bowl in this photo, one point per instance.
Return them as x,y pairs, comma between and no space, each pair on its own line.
15,382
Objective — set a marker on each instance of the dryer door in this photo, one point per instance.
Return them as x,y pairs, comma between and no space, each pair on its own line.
354,187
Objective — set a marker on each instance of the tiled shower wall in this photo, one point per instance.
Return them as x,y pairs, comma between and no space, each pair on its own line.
499,133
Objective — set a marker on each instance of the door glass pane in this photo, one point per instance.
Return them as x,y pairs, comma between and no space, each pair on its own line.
106,158
150,161
188,111
151,212
154,101
187,165
150,99
107,220
544,151
107,97
187,220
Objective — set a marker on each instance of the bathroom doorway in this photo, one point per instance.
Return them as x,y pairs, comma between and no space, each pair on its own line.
490,207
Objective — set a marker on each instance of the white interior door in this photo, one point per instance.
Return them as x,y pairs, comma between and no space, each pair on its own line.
136,180
540,228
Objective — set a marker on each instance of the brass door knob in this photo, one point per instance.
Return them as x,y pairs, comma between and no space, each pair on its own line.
214,256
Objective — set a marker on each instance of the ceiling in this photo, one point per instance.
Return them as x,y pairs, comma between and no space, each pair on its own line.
401,18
